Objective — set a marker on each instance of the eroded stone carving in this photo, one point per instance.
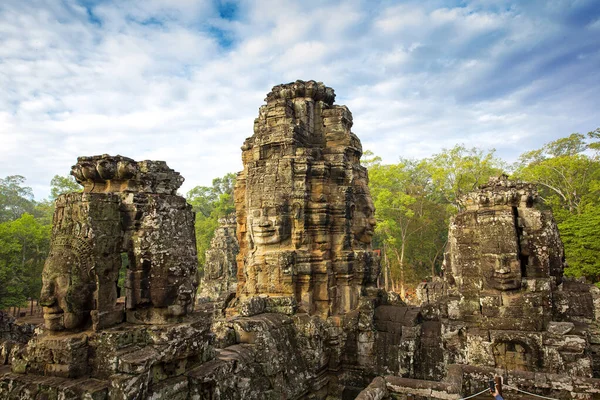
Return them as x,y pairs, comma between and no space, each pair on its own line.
220,269
504,295
127,211
80,273
127,208
68,284
304,213
305,222
503,308
102,174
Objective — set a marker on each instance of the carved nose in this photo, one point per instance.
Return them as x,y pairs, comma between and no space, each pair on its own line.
47,298
263,223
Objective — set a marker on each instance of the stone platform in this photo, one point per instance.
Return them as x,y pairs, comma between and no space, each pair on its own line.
124,362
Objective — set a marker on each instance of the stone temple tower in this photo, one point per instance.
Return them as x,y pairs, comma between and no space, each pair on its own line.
504,302
305,217
127,210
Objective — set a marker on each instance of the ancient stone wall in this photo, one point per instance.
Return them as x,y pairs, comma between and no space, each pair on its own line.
13,336
463,381
265,356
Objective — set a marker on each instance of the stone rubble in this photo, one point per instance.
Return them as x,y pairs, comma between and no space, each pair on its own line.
13,337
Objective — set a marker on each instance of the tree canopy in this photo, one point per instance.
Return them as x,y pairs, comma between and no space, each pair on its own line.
15,199
63,184
24,242
414,200
210,203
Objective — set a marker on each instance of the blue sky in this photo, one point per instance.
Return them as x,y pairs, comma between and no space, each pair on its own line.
182,80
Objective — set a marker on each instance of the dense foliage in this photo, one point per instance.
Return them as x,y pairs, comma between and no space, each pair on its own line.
25,237
414,201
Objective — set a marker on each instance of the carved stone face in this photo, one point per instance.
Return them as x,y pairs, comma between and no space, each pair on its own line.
513,355
185,298
363,223
67,289
214,267
501,271
364,228
269,225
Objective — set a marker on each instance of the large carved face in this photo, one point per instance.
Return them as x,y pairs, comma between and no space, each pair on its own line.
67,286
501,271
269,225
363,217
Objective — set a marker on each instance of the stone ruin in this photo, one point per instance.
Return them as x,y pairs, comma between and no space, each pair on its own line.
128,221
307,320
127,211
219,283
504,302
503,306
13,337
304,213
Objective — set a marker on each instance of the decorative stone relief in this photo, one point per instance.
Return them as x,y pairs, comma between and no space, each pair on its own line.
304,213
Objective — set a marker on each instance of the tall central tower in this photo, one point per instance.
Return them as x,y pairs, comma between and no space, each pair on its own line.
304,212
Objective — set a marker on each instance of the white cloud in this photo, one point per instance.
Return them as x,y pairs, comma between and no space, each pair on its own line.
172,80
400,17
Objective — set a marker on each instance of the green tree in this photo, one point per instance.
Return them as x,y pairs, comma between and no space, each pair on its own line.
411,226
459,170
15,199
43,211
63,184
24,245
11,287
210,203
567,172
581,236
